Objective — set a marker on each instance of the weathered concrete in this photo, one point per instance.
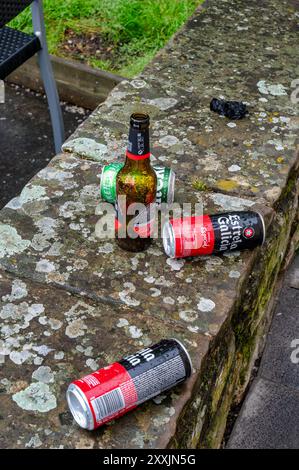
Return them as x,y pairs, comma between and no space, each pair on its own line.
217,304
53,241
77,83
231,50
50,337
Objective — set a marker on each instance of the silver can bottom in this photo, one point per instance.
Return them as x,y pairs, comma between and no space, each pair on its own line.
168,240
79,407
263,225
171,184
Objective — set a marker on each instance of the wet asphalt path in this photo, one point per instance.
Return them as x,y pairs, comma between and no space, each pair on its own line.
26,141
269,417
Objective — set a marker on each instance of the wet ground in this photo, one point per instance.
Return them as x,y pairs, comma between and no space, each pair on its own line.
26,141
269,417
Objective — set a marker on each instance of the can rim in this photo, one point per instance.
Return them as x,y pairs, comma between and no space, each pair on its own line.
101,180
186,352
168,239
171,184
264,227
84,419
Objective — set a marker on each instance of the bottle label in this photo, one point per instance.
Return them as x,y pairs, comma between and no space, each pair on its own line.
120,218
141,225
138,145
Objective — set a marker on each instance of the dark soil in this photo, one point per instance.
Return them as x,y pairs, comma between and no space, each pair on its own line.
91,45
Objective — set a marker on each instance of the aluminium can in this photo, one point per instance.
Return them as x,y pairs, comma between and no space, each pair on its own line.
120,387
108,181
165,183
207,234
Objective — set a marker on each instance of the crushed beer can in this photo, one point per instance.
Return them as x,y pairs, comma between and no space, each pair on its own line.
120,387
207,234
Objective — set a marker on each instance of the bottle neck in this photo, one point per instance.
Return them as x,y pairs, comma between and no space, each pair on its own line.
138,149
137,164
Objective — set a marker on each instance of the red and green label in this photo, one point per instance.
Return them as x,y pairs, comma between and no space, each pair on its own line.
108,182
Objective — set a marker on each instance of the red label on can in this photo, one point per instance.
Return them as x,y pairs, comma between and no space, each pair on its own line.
110,393
193,236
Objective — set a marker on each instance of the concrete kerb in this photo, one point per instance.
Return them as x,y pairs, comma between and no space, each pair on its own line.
77,83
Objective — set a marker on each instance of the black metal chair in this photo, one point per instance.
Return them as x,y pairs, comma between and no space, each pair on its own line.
17,47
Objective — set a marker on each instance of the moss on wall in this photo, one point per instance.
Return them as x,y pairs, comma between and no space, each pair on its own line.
227,368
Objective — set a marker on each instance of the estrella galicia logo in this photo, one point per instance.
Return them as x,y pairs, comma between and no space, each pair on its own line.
248,232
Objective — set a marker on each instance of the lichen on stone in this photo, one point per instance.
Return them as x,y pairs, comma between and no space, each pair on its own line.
43,374
36,397
18,291
86,147
125,295
11,242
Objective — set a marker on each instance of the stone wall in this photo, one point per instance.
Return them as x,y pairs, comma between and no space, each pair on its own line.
72,303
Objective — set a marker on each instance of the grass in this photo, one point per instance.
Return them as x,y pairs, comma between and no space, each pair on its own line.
132,31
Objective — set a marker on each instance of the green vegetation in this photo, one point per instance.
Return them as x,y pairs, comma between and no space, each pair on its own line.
199,185
117,35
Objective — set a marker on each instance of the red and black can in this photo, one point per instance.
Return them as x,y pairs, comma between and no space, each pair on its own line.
207,234
118,388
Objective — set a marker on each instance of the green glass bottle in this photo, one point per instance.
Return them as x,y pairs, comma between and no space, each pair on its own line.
136,185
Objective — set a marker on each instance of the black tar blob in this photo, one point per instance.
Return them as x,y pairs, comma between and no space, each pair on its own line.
229,109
